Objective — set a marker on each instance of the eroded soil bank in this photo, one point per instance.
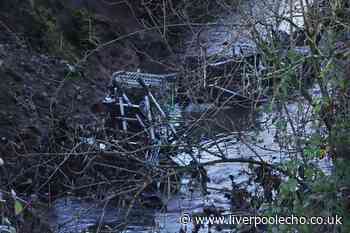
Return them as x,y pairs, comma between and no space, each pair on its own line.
56,60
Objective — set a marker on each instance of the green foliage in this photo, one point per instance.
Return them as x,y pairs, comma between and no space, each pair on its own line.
74,75
51,27
18,207
82,34
288,188
5,224
318,199
48,27
281,125
308,190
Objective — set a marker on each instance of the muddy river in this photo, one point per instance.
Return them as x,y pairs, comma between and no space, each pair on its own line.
76,215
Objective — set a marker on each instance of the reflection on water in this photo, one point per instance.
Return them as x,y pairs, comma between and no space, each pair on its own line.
72,215
208,121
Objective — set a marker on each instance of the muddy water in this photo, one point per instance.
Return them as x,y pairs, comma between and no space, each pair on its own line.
74,215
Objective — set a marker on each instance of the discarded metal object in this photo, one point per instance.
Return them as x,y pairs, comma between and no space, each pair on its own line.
131,79
133,106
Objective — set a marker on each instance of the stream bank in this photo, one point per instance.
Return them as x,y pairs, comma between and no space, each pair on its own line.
229,134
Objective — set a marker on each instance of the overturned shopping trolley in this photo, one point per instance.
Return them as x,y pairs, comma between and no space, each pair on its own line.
135,112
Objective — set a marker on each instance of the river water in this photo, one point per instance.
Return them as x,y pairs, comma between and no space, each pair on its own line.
75,215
